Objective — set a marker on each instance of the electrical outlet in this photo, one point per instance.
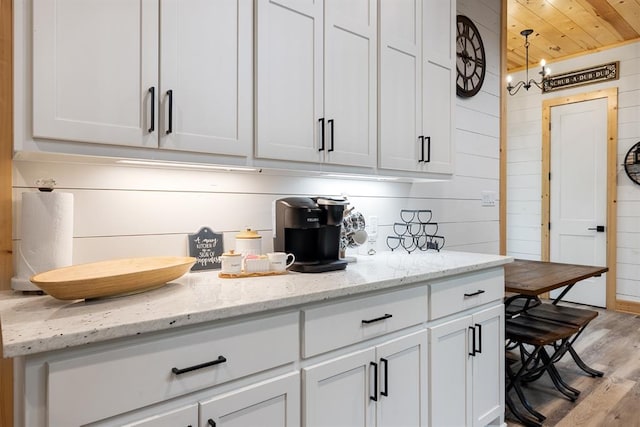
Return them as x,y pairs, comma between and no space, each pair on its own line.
488,198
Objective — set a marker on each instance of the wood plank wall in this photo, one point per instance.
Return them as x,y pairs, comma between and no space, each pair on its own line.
524,129
6,147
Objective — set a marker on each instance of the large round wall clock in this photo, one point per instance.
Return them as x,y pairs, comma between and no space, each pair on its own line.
471,63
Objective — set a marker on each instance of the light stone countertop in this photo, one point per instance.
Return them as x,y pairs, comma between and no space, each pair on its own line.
34,324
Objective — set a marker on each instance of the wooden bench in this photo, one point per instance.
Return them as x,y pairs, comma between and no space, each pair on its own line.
556,313
532,335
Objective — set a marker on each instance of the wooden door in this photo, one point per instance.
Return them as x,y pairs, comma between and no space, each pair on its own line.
337,392
206,69
95,64
578,198
274,403
350,82
402,379
289,79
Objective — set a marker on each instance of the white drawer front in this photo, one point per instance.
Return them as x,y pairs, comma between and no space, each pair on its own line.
451,295
114,381
337,325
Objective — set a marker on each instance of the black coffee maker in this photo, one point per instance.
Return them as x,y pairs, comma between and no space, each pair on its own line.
309,228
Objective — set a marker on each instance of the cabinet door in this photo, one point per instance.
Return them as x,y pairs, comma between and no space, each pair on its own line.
350,62
289,79
338,392
488,366
273,403
403,377
182,417
438,79
450,369
400,84
206,76
94,62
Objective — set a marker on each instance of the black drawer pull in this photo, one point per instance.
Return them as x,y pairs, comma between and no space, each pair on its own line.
330,123
473,294
386,377
220,359
472,330
375,381
377,319
211,422
170,127
321,121
152,126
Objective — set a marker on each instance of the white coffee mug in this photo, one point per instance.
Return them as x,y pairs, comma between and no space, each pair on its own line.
278,260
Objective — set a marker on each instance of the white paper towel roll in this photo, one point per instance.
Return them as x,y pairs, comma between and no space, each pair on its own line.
46,234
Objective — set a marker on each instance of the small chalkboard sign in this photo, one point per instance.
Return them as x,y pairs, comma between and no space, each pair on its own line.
206,247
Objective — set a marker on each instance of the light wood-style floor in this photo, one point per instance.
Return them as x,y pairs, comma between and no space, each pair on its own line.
610,343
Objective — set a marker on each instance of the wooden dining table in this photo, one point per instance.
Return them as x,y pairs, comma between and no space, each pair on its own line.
528,280
533,278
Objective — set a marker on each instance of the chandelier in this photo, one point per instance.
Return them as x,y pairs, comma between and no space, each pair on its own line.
544,72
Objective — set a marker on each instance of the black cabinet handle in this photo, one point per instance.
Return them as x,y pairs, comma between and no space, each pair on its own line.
211,422
220,359
598,228
479,349
330,123
421,139
152,126
375,381
377,319
386,376
473,294
170,126
472,329
321,134
428,159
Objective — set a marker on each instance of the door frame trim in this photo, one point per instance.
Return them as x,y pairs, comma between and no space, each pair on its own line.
611,94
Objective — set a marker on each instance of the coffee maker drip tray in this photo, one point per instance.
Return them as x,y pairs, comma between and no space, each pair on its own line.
319,267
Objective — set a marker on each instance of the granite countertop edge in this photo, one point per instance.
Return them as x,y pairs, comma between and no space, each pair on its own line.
35,324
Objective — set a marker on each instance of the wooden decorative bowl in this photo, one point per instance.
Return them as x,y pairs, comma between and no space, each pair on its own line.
111,278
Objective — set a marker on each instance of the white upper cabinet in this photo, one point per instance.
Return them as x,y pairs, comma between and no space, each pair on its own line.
144,73
93,65
417,86
206,76
316,81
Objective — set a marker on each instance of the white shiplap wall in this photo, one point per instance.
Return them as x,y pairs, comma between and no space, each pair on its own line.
524,124
123,211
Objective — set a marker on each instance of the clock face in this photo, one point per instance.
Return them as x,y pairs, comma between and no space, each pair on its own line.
470,60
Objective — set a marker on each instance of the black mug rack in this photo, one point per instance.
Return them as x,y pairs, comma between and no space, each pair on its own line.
415,231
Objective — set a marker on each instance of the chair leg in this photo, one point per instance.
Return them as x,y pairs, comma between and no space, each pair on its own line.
519,416
589,370
514,382
570,392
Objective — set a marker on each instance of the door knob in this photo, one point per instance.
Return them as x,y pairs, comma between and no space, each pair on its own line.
598,228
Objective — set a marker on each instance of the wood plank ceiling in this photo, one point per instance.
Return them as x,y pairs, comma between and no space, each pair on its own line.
568,28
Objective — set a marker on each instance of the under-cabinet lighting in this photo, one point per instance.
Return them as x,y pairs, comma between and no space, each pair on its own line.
367,177
187,165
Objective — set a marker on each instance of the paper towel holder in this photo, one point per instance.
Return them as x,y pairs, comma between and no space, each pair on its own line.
45,184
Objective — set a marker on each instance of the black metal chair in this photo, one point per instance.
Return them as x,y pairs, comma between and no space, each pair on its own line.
532,336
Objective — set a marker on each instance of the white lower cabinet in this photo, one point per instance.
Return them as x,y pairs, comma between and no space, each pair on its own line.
272,403
186,416
425,355
384,385
466,364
